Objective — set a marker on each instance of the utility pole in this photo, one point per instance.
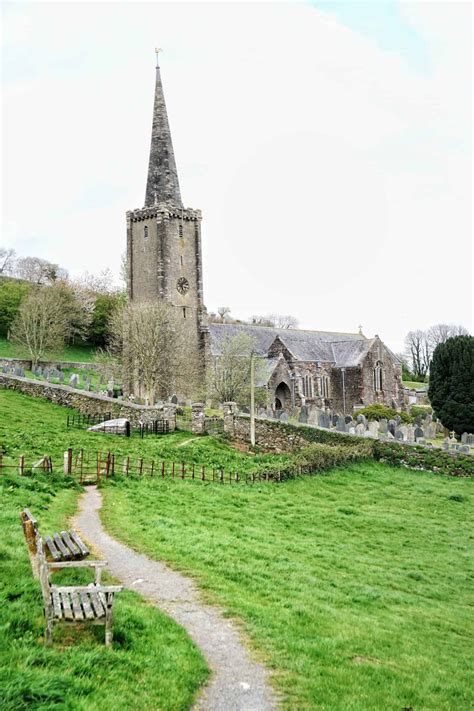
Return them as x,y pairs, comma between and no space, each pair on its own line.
252,399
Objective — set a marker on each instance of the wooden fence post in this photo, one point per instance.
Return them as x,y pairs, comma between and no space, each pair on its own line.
21,465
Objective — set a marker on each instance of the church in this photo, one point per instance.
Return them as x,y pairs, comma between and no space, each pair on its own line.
341,371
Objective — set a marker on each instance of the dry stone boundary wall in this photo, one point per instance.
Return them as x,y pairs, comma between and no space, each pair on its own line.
58,364
89,403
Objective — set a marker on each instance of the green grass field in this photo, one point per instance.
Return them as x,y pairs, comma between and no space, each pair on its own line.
77,353
356,587
414,385
152,665
34,427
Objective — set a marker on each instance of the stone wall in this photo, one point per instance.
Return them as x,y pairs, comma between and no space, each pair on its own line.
58,364
88,403
270,435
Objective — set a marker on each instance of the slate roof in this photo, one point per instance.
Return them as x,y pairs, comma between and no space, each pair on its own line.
342,349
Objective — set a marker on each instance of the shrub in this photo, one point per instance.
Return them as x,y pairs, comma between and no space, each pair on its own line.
378,412
414,457
420,411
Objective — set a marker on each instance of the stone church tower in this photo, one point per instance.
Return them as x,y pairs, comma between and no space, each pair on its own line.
164,238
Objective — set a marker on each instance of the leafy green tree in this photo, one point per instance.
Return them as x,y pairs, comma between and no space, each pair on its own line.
451,388
104,307
12,293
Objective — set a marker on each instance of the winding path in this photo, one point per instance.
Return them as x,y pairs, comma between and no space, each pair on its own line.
237,683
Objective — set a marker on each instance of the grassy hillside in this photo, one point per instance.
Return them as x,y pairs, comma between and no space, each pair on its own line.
152,665
77,353
35,427
355,586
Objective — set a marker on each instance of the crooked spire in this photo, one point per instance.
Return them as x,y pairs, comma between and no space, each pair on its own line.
162,183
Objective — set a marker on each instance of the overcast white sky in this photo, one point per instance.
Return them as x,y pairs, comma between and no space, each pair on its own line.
328,145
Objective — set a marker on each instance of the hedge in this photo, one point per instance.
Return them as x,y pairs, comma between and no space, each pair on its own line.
318,458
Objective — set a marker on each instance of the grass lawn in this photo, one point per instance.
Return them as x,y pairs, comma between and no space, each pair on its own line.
34,427
356,587
152,665
79,353
413,385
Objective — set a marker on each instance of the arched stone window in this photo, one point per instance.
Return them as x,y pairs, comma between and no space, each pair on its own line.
378,376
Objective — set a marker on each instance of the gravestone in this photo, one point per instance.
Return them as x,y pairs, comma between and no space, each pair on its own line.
392,426
303,418
334,419
398,419
324,420
361,419
418,433
341,424
348,419
284,417
313,415
399,435
352,430
465,449
410,433
4,369
374,428
120,426
73,380
110,388
446,444
360,429
262,412
87,386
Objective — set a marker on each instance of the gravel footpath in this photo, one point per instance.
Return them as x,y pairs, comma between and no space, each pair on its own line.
237,683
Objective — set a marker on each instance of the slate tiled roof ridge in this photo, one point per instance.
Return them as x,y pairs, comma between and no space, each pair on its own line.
359,336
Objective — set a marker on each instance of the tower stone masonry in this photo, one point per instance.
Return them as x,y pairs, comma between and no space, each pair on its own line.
164,238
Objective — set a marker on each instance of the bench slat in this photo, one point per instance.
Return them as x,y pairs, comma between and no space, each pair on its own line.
82,547
97,605
30,516
59,544
68,614
70,545
86,606
56,604
76,605
52,548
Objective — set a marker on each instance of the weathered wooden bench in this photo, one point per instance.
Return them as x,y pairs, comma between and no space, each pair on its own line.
62,546
89,604
68,603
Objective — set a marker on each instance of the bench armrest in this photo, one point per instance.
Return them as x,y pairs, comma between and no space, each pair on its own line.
77,564
97,565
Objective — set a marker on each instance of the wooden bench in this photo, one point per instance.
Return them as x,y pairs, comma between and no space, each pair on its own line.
68,603
89,604
63,546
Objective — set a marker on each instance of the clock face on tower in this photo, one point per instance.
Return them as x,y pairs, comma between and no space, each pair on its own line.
182,285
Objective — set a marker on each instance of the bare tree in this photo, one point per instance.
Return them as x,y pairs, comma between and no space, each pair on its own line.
418,352
78,305
442,331
41,324
274,320
151,342
223,312
229,373
38,271
7,260
102,283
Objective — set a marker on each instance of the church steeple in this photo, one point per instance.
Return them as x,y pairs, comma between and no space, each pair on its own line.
162,184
